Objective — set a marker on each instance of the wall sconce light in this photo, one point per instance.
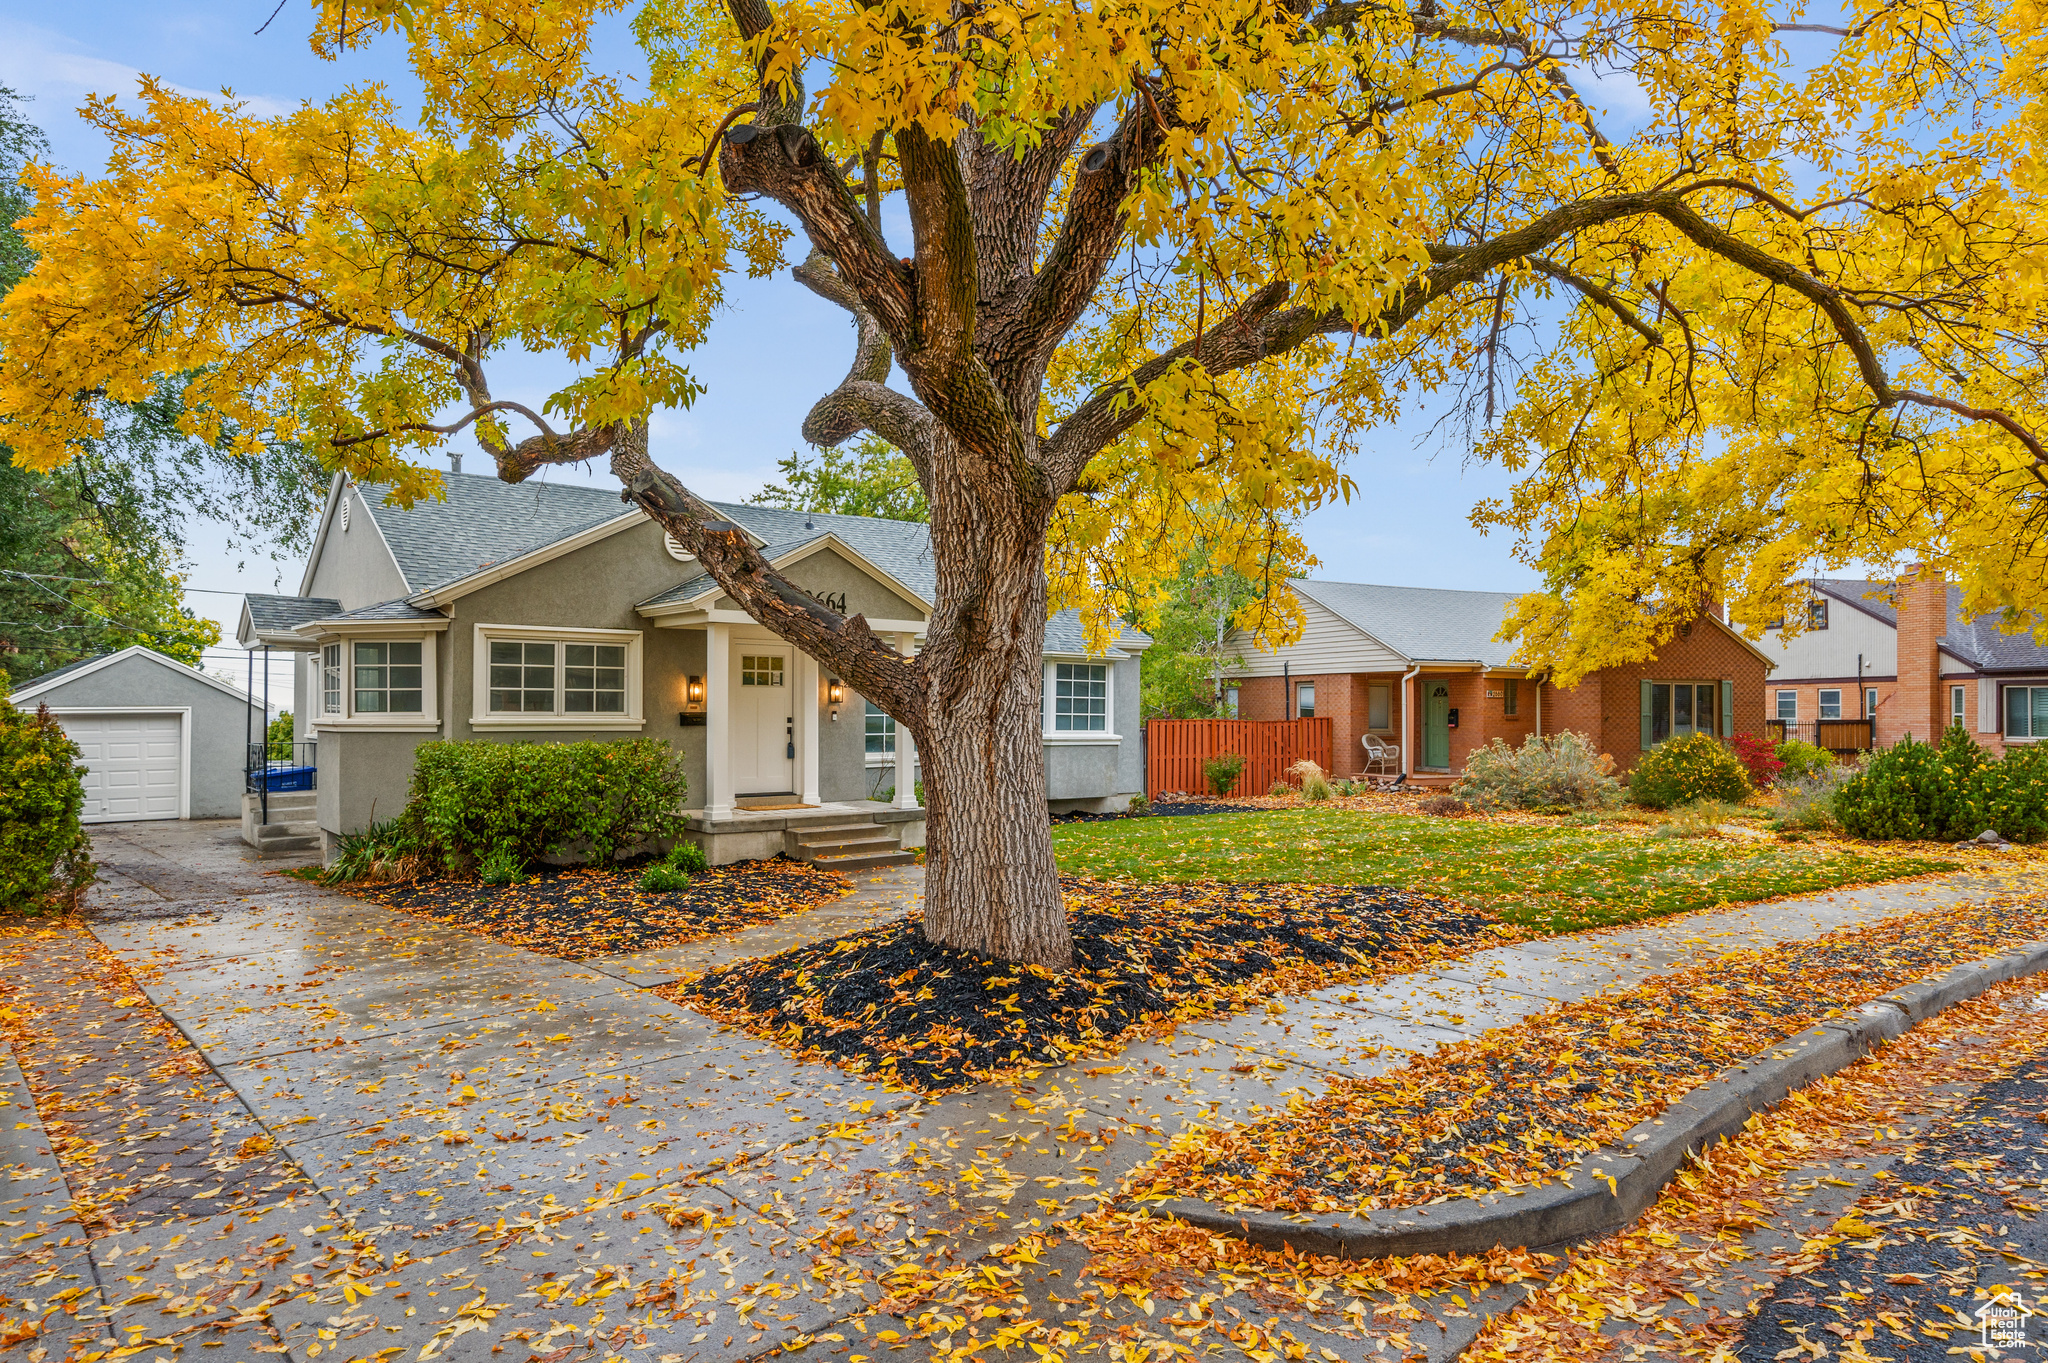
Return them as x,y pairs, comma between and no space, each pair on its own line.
835,694
695,691
691,716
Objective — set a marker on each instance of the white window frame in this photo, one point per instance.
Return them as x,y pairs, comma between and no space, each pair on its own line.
1233,697
323,670
1299,687
1380,694
2005,691
1956,705
429,716
1778,705
1820,704
1086,737
1869,701
887,756
480,716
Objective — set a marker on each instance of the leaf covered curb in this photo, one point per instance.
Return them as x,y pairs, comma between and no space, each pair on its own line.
1525,1103
888,1002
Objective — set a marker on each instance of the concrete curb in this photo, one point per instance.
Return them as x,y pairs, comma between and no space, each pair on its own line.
1639,1167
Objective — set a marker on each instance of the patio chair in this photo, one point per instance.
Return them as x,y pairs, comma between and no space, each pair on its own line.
1382,761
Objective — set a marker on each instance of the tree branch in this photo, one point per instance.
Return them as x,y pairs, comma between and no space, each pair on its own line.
1599,294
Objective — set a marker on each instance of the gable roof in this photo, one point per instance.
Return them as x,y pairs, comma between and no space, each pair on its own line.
1976,640
271,619
85,667
484,523
1422,624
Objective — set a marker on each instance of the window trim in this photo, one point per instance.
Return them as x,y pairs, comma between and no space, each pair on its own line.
480,716
1102,737
2005,689
1778,694
429,717
886,757
1958,706
1294,709
1384,693
1820,706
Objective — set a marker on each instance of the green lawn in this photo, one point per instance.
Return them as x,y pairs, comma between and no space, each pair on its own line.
1549,877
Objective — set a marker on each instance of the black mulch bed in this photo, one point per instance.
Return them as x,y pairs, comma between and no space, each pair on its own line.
1165,809
888,1002
585,912
1967,1213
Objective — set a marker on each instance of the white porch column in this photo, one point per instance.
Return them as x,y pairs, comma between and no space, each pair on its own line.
906,746
808,698
718,721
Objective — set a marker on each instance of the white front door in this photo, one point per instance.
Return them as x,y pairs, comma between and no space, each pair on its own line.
131,765
763,721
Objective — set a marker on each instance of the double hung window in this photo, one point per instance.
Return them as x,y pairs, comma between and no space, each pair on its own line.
1080,698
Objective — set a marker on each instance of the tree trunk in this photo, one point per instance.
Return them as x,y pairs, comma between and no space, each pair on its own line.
991,886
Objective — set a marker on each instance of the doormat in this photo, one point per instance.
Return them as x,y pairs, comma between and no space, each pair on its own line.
755,809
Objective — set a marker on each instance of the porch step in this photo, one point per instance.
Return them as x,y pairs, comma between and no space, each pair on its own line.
846,846
285,839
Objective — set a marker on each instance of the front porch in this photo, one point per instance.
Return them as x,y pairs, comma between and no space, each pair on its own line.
847,835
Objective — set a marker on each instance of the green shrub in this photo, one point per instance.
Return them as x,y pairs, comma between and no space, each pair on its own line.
1690,767
1892,794
1956,791
1222,771
1560,772
662,878
525,801
1700,819
383,851
2014,796
501,866
45,856
1955,805
1808,802
1139,805
1800,760
688,858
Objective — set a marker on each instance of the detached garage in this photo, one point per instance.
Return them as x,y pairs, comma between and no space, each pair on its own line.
159,740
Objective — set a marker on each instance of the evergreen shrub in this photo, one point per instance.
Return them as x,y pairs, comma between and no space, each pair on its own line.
45,856
1915,790
1798,761
1690,767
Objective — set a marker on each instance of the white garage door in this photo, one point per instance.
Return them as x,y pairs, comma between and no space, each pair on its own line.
132,764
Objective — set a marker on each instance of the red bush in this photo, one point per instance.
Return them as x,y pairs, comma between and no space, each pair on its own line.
1759,755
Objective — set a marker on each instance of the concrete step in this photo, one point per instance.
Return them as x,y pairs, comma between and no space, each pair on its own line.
839,840
864,861
274,831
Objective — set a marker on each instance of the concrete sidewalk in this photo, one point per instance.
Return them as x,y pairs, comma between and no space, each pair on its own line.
515,1122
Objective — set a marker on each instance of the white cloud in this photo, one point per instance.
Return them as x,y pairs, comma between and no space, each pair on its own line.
53,70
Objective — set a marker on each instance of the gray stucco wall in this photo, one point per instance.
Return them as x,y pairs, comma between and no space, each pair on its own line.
596,587
221,724
354,567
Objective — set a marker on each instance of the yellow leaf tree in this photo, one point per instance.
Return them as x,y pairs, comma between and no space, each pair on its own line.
1168,261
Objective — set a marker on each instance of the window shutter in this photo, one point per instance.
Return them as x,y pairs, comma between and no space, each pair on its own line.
1987,706
1727,708
1646,714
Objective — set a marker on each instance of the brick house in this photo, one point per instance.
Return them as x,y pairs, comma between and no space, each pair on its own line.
1420,668
1904,654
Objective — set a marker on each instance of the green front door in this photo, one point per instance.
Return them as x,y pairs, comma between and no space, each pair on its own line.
1436,726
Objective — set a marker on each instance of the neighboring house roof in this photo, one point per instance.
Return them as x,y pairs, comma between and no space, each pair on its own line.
1977,641
85,667
397,609
1422,624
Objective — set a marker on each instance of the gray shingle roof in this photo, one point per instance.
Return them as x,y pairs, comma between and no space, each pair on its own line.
484,521
1978,641
396,609
1424,624
279,614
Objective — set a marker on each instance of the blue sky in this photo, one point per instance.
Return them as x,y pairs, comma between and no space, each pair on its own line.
774,351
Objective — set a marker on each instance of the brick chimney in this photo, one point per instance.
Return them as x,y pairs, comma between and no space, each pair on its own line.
1917,706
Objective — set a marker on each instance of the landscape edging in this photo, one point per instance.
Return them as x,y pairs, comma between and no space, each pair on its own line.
1550,1213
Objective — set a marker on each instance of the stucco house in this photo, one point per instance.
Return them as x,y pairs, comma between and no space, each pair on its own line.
548,612
1903,656
159,739
1420,668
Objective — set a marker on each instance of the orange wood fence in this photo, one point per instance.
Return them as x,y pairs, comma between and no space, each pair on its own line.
1175,750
